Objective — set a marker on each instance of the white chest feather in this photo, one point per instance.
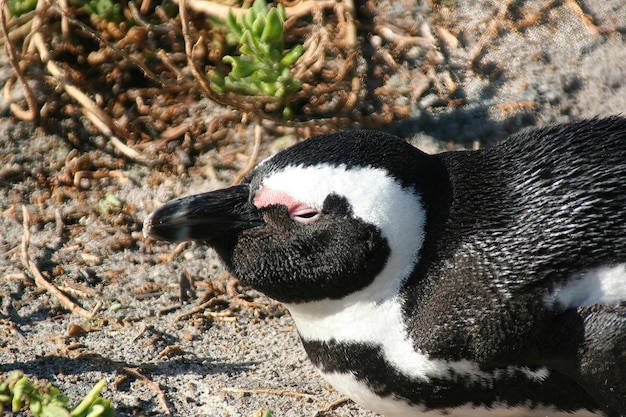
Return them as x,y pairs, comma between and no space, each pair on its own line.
604,285
362,321
395,407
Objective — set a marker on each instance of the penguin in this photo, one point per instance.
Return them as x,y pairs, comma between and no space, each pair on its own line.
466,283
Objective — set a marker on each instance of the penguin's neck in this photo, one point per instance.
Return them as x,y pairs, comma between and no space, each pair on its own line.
372,316
359,317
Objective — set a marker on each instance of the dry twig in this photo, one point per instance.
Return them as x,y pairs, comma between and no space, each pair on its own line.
202,307
98,37
331,406
33,109
40,281
490,32
282,392
14,329
189,47
587,19
95,114
153,385
177,251
220,11
253,158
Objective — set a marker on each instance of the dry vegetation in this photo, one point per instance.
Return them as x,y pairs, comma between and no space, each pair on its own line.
135,73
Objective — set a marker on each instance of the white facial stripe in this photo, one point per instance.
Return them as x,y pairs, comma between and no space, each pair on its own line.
604,285
374,314
375,197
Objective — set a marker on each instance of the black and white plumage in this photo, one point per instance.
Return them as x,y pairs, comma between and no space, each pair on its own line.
489,281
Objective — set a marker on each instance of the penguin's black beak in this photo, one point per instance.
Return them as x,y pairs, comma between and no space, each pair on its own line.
209,217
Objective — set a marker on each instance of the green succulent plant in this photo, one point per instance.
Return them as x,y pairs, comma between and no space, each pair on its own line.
263,67
48,401
109,10
20,7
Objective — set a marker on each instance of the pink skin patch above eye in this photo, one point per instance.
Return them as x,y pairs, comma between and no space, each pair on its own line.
298,211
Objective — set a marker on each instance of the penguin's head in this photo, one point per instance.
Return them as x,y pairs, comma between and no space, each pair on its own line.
328,217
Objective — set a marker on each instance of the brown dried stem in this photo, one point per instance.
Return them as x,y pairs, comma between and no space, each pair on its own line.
258,130
31,101
587,19
282,392
153,385
106,44
95,114
40,281
189,46
332,406
220,11
478,49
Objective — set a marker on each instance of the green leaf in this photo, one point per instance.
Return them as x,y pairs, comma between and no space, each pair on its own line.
89,399
18,390
247,45
248,19
52,410
269,89
241,67
108,10
274,27
232,25
287,112
281,10
292,55
49,401
20,7
258,26
257,50
217,82
36,407
100,408
236,85
259,8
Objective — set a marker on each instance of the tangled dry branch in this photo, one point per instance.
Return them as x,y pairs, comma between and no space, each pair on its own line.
139,81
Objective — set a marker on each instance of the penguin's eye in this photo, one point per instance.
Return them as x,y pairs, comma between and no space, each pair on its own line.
298,211
304,214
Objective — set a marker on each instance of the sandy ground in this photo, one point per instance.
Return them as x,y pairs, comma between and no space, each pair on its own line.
233,361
